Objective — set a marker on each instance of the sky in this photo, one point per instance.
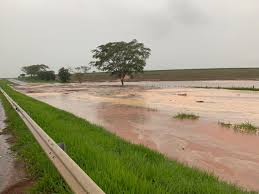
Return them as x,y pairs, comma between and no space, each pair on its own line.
180,33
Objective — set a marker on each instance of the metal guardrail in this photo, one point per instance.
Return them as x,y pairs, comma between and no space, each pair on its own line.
75,177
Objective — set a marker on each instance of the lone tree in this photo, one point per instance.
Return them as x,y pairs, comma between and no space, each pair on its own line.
121,58
64,75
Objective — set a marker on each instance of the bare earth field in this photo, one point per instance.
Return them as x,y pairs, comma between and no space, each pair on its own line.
142,112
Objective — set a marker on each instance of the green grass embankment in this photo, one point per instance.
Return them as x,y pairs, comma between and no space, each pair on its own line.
233,88
38,167
117,166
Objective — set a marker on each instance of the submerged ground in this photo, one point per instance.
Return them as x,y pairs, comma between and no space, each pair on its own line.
143,113
12,174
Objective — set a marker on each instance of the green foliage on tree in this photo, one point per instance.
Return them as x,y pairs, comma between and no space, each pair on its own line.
121,58
46,75
22,75
64,75
33,70
80,72
38,72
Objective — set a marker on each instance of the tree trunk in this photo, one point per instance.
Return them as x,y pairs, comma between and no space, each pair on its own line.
122,81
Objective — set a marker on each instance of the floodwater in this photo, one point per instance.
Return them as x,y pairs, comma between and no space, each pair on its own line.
13,178
6,159
142,112
10,173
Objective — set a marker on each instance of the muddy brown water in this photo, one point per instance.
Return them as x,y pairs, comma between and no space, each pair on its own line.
11,171
143,114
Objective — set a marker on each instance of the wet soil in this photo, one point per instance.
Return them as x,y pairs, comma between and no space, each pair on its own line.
13,178
19,188
143,113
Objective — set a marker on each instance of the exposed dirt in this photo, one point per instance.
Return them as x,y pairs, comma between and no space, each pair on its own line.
13,178
143,114
19,188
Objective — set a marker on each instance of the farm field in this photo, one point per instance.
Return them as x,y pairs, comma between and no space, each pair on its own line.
184,75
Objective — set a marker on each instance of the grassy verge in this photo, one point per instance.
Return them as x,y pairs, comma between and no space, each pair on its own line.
40,169
117,166
185,116
233,88
245,127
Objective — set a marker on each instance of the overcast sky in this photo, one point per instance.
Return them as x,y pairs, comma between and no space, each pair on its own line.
181,33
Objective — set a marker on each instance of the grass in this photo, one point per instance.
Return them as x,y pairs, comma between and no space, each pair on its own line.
233,88
243,88
225,125
183,75
245,127
185,116
38,166
116,165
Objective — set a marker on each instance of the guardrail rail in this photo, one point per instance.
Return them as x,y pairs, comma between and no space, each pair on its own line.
75,177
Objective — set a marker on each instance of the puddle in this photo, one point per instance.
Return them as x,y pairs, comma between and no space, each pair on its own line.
11,171
144,115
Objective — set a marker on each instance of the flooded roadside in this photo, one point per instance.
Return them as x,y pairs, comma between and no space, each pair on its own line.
144,114
12,176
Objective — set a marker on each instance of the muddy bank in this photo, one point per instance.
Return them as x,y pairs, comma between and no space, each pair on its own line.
144,114
13,178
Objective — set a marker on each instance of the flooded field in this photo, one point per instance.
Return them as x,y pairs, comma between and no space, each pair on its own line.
142,112
215,83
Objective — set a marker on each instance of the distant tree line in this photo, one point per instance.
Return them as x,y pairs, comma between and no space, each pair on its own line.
42,73
120,59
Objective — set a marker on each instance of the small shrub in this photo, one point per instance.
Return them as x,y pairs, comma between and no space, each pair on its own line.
245,128
184,116
225,125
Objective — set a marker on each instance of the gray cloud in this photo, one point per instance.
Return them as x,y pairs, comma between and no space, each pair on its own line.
181,33
187,12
